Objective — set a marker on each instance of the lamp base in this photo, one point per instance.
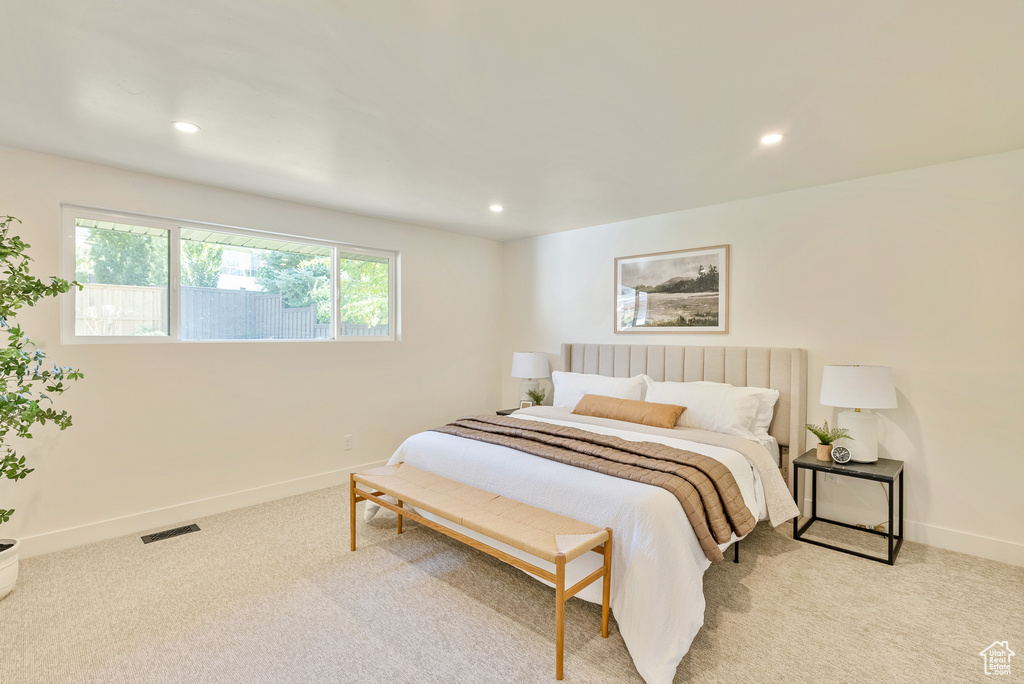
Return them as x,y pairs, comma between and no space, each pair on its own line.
527,385
863,427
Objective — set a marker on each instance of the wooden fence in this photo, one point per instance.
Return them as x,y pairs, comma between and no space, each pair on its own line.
364,330
207,313
120,310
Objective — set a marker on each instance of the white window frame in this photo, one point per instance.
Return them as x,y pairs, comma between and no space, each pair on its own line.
70,212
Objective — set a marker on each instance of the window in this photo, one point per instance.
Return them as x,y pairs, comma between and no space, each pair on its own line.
152,279
270,290
123,269
362,294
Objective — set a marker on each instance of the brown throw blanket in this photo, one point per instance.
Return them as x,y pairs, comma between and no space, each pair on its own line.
704,487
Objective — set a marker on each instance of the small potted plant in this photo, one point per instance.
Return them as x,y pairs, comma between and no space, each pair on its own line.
536,396
28,385
826,436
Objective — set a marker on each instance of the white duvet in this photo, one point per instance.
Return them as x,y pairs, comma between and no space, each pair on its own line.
657,593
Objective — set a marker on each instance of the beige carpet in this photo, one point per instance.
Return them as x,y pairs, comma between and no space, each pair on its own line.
272,594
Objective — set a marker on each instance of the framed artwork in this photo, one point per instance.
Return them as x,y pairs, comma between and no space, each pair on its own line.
525,404
682,291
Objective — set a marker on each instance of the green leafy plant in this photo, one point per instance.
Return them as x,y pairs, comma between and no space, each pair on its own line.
302,280
23,405
306,281
827,435
536,396
200,263
363,293
118,258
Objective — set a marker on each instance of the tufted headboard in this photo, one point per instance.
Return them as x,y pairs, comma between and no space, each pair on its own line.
780,368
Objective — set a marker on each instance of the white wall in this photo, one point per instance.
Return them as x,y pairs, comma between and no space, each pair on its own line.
919,270
222,425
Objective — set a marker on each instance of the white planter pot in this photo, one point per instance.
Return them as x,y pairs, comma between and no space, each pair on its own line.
8,566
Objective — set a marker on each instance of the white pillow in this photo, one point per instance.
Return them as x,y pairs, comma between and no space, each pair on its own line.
766,399
570,387
709,405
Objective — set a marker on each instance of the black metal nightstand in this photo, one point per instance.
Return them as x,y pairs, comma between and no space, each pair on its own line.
884,470
506,412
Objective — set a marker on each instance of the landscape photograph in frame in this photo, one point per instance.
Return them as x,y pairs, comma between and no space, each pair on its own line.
681,291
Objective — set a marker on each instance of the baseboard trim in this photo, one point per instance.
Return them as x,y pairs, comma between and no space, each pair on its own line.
57,540
933,535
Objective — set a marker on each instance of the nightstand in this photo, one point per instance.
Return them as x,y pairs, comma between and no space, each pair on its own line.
884,470
506,412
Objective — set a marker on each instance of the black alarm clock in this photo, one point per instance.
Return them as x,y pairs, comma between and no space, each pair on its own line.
841,454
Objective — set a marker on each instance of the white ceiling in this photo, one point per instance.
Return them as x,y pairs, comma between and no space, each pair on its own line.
570,113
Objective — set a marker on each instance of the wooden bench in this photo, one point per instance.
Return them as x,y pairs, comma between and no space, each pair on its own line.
543,534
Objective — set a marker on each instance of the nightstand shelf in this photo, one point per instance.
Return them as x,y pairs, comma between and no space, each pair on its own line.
884,470
506,412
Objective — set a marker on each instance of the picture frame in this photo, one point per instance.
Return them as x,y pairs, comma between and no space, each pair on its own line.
525,404
685,290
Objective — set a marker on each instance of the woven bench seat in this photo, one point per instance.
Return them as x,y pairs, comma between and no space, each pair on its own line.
549,536
538,532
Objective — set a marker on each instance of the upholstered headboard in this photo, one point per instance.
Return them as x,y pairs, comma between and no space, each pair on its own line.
779,368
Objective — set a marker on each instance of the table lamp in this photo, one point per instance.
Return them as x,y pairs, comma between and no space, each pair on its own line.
859,387
529,366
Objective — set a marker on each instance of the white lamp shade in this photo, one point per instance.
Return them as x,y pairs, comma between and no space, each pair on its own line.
863,387
530,365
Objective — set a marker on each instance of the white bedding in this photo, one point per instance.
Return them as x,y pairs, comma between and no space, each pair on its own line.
657,567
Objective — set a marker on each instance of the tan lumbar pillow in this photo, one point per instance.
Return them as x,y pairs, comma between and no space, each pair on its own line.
630,410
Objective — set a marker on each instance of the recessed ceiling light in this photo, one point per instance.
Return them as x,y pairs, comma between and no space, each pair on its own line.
186,127
771,139
497,208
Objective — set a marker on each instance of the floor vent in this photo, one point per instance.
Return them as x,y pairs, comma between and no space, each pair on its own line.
167,534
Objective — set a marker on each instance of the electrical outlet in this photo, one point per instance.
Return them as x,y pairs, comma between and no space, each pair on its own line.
347,443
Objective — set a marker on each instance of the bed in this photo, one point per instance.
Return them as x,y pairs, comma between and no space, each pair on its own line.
658,565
